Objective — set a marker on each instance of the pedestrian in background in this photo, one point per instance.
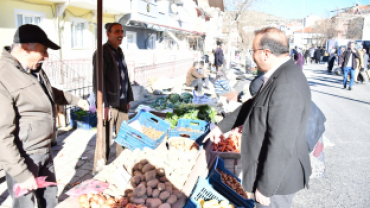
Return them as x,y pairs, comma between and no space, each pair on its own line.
274,152
219,56
307,55
317,55
360,63
194,78
27,118
117,90
366,60
312,54
300,59
347,62
331,60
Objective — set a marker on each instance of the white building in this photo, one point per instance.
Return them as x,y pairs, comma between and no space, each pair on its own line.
310,20
307,38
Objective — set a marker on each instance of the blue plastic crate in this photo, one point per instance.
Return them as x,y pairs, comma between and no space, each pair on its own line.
85,122
132,139
215,180
203,190
194,124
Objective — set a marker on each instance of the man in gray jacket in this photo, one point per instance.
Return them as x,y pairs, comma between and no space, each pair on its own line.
117,91
27,117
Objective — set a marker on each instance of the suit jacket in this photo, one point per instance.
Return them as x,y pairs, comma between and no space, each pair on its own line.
274,152
111,83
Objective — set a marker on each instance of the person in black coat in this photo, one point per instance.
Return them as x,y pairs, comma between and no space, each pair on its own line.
219,56
317,55
275,158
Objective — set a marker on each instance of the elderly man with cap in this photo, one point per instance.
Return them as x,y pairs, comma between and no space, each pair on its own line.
27,119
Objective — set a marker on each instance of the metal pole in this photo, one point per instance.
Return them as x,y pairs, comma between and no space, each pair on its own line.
100,144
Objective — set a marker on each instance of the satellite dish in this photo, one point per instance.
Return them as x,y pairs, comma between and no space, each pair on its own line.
174,8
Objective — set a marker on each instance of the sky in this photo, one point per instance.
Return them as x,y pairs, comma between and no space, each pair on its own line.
297,9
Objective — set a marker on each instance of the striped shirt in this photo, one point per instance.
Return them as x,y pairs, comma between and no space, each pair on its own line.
222,87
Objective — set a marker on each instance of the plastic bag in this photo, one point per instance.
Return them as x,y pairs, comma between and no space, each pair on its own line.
88,187
40,181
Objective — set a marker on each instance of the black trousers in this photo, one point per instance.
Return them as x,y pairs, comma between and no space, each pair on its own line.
39,165
278,201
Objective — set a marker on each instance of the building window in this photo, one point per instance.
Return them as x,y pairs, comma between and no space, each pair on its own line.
23,17
131,39
151,44
79,32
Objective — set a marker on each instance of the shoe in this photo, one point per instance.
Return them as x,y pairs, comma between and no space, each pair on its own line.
344,87
206,88
349,88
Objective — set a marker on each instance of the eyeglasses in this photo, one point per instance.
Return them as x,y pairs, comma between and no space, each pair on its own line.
261,49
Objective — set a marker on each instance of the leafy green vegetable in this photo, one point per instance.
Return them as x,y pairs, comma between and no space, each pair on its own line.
80,114
173,98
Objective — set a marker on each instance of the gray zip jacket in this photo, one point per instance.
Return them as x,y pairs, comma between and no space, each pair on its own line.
27,118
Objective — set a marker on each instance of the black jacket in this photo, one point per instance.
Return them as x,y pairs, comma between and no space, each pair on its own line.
219,57
344,58
111,83
274,151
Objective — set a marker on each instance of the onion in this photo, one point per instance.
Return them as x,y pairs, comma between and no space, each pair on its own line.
94,204
84,205
110,200
105,205
82,198
101,200
89,196
95,197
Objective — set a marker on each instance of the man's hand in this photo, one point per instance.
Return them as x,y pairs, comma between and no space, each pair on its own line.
29,184
265,201
106,113
83,104
214,135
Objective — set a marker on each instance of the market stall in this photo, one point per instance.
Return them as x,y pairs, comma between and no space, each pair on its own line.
165,164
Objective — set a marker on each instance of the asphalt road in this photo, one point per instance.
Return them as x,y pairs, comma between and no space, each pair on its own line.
347,180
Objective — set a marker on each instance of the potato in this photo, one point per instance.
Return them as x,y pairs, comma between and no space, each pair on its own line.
147,168
137,200
168,184
153,183
136,167
161,172
177,193
149,175
153,203
137,173
84,205
163,179
161,186
135,179
144,183
142,177
155,193
140,166
140,190
169,189
172,199
149,191
164,195
165,205
144,161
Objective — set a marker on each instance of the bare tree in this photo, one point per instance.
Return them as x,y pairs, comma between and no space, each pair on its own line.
354,28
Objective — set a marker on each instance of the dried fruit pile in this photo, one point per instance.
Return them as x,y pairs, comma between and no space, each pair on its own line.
184,144
229,144
233,184
152,133
189,129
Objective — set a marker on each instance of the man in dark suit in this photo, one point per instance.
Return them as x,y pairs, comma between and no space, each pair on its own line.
274,152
